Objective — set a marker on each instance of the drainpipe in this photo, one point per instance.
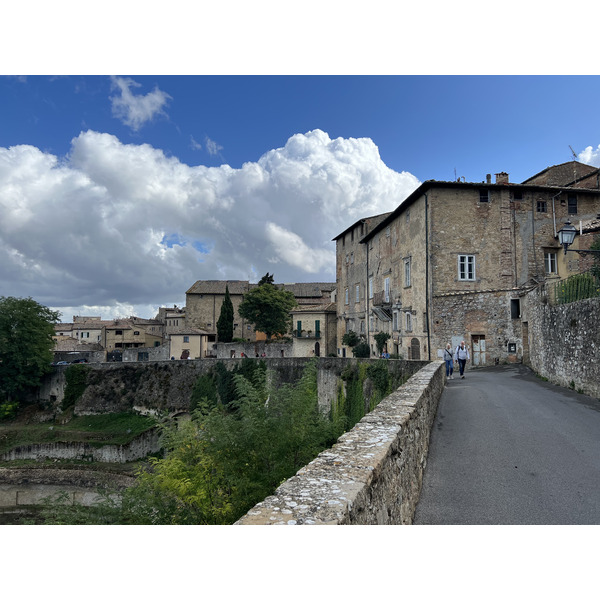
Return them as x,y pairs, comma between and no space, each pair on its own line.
367,299
427,278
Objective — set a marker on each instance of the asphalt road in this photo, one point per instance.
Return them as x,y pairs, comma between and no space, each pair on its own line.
509,448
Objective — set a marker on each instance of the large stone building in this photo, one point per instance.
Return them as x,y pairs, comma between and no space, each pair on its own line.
205,298
454,259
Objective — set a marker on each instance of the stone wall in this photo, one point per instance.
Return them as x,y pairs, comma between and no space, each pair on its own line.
29,486
564,341
373,474
155,353
145,444
167,386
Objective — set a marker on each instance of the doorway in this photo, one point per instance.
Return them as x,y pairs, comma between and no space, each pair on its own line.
478,342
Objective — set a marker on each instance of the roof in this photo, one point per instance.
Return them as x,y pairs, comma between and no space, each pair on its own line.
188,331
217,286
563,175
376,218
300,290
432,183
305,290
315,308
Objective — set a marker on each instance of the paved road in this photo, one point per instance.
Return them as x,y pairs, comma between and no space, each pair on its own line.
509,448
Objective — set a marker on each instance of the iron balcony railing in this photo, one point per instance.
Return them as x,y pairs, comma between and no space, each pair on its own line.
576,287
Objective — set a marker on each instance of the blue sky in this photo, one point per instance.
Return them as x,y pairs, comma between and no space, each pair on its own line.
118,191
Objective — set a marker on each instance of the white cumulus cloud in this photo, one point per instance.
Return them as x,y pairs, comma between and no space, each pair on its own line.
124,225
590,156
136,110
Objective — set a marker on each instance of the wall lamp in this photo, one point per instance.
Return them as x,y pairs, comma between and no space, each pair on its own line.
566,235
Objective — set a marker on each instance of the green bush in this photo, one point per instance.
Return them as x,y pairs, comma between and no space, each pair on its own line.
8,410
75,384
361,350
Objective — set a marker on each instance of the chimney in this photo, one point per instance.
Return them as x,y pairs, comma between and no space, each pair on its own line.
502,177
488,178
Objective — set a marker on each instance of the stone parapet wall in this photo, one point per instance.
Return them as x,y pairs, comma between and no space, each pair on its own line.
564,341
373,474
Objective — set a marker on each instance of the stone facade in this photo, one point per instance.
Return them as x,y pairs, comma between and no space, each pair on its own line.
454,261
352,280
564,341
314,330
205,298
373,474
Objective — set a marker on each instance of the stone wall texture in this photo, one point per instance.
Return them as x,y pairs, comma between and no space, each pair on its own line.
373,474
145,444
564,341
150,388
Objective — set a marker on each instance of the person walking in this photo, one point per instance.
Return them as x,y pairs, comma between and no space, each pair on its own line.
449,359
462,356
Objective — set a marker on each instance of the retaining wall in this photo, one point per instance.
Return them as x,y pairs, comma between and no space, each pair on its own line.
564,341
29,486
373,474
150,387
146,443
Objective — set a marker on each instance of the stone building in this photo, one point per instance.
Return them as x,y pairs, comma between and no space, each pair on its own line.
314,330
352,279
454,259
133,332
205,298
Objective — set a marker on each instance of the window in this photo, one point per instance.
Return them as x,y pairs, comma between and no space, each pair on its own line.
370,287
395,321
118,332
484,195
346,296
466,267
517,195
541,206
362,326
357,294
407,272
136,333
317,328
299,328
386,289
186,339
572,204
408,322
515,308
550,262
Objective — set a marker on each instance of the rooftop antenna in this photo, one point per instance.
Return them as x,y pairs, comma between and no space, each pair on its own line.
573,152
575,160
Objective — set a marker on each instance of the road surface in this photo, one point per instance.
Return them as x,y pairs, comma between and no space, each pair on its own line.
509,448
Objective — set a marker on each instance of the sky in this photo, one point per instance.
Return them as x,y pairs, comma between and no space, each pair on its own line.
119,191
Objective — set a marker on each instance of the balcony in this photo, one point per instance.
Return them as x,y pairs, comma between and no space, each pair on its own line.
379,299
315,335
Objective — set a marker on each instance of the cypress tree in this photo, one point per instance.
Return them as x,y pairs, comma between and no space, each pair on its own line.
225,322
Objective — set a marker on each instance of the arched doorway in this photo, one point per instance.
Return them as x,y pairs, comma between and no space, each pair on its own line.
317,349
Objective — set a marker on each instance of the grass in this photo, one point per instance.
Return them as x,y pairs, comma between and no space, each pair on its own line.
97,430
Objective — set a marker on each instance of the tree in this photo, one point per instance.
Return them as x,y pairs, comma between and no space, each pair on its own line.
268,308
225,322
26,330
266,279
380,339
350,339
